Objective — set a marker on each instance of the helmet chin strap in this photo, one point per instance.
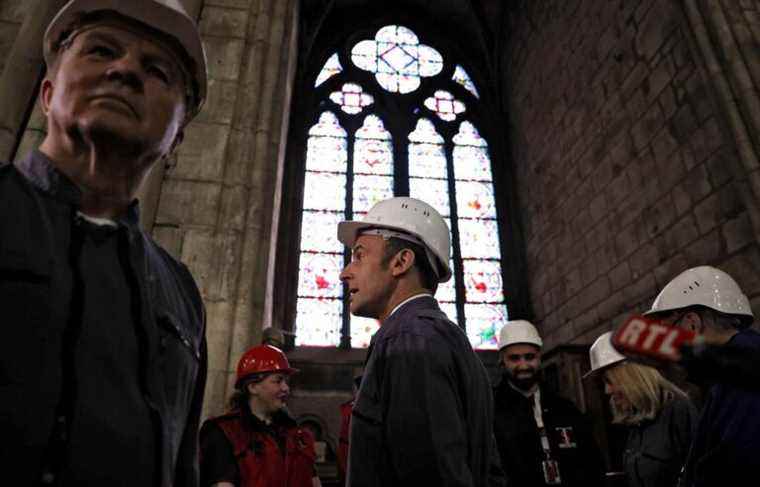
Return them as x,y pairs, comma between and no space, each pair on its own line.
388,234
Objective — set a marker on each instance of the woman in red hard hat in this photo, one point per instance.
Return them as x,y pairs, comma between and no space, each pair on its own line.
258,444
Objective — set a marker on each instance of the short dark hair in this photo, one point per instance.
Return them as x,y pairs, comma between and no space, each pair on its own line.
395,245
721,320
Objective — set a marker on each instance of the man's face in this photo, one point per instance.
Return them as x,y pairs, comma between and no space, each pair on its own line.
369,282
521,362
116,85
271,394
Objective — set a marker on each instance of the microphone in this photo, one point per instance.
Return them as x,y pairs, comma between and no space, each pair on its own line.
651,339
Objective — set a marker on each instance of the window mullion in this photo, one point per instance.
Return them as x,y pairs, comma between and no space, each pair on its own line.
456,250
345,331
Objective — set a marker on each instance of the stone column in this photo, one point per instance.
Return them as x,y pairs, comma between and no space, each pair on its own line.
217,205
727,37
21,75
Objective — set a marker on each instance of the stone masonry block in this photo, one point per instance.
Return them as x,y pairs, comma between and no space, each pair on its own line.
649,125
683,124
644,259
671,173
233,212
220,103
664,145
642,290
659,216
213,259
721,165
738,232
629,239
669,269
597,292
224,57
743,267
201,155
14,10
8,33
241,4
655,29
224,22
682,233
698,182
681,199
188,203
612,306
706,249
619,276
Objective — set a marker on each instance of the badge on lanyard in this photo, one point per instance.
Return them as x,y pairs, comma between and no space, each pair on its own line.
566,437
551,472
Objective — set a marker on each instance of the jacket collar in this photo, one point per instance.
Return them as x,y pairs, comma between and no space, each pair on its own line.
41,173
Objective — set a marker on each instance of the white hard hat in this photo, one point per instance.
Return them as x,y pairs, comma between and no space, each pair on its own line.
519,331
602,354
166,16
408,216
704,286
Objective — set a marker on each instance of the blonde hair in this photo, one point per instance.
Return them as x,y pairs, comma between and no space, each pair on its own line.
646,390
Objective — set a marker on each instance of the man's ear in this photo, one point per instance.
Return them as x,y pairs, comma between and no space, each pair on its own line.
402,262
693,321
46,95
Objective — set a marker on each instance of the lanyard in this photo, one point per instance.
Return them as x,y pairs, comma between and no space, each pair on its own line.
538,415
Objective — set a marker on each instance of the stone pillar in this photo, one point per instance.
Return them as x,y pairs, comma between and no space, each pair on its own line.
20,78
217,205
727,37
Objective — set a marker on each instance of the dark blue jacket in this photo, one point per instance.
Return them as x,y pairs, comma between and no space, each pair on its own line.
38,289
424,411
726,445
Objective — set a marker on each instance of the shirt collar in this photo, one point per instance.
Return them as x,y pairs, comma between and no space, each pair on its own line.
421,295
41,173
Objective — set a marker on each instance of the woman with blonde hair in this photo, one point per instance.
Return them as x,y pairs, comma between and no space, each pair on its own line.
659,416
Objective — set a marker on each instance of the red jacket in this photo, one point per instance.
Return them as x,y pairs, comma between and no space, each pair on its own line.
260,460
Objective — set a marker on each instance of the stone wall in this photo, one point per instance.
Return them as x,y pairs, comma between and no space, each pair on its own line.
628,164
12,14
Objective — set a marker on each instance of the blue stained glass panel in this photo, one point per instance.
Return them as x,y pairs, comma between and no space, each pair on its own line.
318,322
475,199
469,135
482,281
434,192
373,149
484,322
362,330
351,98
445,105
461,77
424,132
328,125
326,154
446,290
397,59
324,191
472,163
369,190
318,275
479,239
330,69
318,231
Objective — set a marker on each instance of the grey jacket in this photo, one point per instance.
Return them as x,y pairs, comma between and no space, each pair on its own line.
656,450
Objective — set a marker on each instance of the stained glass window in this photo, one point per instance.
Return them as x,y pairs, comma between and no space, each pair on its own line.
445,105
351,164
330,69
479,238
319,307
351,98
397,58
461,77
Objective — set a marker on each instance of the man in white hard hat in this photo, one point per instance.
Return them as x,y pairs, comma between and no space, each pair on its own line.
423,413
103,355
543,439
709,302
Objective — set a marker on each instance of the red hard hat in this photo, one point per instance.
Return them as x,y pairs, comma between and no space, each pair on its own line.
261,359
